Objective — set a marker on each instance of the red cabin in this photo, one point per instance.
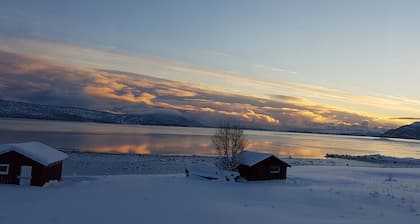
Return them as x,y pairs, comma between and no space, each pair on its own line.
261,166
30,163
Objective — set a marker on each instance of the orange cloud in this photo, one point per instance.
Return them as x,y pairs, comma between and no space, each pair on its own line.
207,109
28,64
90,84
215,80
33,67
106,92
250,115
176,92
144,84
317,118
176,107
108,82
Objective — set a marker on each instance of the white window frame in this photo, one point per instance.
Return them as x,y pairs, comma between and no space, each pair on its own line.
7,169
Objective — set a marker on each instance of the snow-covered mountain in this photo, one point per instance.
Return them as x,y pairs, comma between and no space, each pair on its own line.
12,109
411,131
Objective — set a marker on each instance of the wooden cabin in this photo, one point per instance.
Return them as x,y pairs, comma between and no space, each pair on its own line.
261,166
30,163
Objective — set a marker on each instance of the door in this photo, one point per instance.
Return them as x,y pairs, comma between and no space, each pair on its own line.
25,175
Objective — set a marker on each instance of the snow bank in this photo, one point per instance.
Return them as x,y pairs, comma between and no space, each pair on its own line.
311,194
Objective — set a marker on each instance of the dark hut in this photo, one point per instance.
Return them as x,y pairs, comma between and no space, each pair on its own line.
30,163
261,166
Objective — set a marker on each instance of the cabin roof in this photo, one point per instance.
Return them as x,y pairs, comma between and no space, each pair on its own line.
250,158
36,151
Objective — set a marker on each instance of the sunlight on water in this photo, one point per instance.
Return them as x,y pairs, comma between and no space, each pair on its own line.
108,138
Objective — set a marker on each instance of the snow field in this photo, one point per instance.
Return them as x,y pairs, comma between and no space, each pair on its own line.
311,194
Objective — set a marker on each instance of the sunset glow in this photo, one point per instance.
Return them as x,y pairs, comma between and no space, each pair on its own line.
272,86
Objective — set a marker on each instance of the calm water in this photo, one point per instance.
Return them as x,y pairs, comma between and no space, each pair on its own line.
94,137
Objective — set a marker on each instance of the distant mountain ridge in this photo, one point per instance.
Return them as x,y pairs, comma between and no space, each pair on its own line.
411,131
13,109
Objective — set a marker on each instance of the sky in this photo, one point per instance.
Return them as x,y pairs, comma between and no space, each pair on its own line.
358,57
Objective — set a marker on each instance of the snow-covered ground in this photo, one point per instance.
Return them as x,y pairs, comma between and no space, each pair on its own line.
311,194
111,164
80,163
381,160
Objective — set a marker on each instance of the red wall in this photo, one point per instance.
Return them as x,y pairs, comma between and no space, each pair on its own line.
260,171
40,173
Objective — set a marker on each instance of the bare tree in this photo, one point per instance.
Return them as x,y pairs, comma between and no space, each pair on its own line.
229,140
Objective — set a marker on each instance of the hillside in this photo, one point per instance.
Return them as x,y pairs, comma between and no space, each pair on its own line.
411,131
12,109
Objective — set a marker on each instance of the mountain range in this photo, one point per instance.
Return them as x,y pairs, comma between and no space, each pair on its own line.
12,109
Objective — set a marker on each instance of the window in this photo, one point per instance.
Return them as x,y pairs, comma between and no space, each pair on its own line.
274,169
4,169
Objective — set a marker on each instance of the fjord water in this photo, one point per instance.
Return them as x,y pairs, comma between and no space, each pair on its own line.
111,138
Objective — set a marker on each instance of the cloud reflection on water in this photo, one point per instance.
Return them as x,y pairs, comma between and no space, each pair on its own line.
106,138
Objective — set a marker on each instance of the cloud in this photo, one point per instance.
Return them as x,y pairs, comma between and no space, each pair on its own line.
283,70
176,92
289,99
176,107
250,114
110,93
124,92
207,79
273,69
314,117
28,65
207,109
406,118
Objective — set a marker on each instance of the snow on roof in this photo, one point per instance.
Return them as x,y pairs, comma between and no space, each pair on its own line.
250,158
36,151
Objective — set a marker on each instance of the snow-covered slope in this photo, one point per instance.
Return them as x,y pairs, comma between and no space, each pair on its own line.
311,194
